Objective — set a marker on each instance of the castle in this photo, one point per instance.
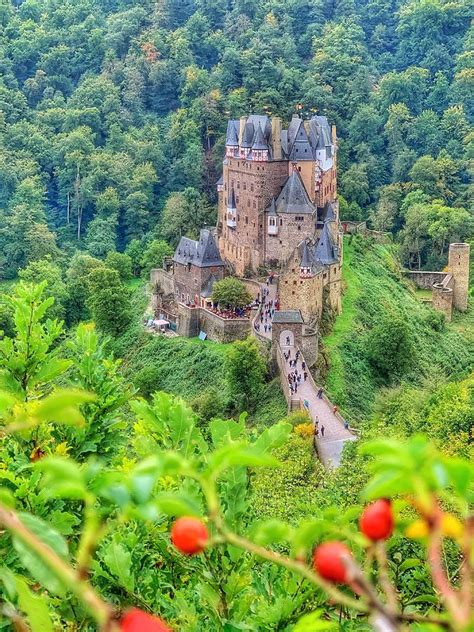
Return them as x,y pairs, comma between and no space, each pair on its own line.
277,211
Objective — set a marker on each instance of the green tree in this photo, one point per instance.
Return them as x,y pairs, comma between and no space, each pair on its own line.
230,293
185,214
390,348
108,301
120,262
245,372
76,281
153,256
45,270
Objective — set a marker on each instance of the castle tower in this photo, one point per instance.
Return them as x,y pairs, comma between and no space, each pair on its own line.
458,266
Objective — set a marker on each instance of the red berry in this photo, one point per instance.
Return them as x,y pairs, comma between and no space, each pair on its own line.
328,561
189,535
136,620
376,521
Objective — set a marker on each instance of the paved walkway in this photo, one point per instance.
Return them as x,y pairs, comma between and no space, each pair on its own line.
330,446
269,300
335,435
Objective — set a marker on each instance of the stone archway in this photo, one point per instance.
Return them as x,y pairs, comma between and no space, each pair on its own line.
284,336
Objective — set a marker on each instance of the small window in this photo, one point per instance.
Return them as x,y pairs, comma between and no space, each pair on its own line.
238,185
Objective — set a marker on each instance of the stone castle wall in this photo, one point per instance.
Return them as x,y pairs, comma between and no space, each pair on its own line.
291,232
425,280
193,320
458,266
162,281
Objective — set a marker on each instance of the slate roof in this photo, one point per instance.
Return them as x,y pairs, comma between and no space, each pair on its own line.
306,256
271,210
259,142
288,316
327,213
293,197
325,251
232,136
202,253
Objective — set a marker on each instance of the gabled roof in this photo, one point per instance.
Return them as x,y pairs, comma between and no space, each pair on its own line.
259,142
293,197
325,251
206,291
202,253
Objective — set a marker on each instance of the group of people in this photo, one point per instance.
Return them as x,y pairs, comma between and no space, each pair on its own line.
295,377
267,310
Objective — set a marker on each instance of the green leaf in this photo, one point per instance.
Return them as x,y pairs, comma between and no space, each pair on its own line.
118,560
424,599
306,535
273,437
410,563
32,562
51,369
177,505
388,484
62,478
35,607
461,475
238,454
62,406
270,531
313,623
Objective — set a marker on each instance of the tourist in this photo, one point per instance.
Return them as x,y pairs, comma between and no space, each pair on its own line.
346,424
299,378
288,341
305,375
306,404
335,409
303,365
320,393
322,431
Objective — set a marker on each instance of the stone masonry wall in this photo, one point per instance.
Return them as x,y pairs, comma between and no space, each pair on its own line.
290,233
425,280
162,280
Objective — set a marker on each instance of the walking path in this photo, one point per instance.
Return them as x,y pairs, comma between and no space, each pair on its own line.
330,445
321,411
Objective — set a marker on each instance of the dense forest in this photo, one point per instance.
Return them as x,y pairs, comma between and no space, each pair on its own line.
152,483
113,116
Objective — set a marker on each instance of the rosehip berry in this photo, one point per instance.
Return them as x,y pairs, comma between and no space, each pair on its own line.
376,521
136,620
328,561
189,535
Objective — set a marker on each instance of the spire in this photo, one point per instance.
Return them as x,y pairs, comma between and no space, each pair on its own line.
231,205
232,139
259,140
325,250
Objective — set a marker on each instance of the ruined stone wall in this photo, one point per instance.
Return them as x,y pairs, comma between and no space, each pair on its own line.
443,297
425,280
458,266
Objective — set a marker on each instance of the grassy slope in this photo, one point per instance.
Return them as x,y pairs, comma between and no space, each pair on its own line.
375,288
184,366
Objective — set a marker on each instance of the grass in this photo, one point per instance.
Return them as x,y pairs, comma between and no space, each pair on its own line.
376,290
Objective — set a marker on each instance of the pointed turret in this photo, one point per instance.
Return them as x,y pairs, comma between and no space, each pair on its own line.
325,252
259,140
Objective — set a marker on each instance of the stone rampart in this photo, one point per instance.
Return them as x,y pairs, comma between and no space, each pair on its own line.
309,346
425,280
223,329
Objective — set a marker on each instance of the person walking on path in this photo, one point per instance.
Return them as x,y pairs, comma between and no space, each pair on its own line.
322,431
335,409
305,375
320,393
306,404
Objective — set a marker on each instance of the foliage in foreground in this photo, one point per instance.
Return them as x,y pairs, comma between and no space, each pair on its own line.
87,521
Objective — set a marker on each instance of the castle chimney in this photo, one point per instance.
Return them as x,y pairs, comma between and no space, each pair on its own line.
333,134
243,121
276,138
307,127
